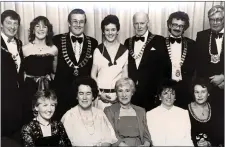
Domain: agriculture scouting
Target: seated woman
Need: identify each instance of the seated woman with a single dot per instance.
(110, 61)
(169, 125)
(203, 119)
(41, 131)
(85, 124)
(40, 61)
(129, 121)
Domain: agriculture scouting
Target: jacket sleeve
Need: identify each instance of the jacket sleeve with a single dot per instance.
(26, 135)
(111, 118)
(147, 136)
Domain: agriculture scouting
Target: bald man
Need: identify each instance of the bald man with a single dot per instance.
(145, 62)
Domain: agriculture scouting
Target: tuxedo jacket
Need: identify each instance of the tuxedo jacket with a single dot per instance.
(11, 91)
(64, 74)
(204, 67)
(151, 70)
(188, 67)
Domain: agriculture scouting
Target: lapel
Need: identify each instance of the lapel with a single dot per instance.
(70, 49)
(3, 43)
(104, 52)
(84, 49)
(133, 63)
(214, 46)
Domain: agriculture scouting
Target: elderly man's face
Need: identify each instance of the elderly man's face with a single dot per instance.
(216, 22)
(167, 97)
(124, 94)
(140, 23)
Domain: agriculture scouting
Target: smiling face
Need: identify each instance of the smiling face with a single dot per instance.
(140, 22)
(10, 27)
(77, 23)
(216, 21)
(167, 97)
(177, 27)
(124, 94)
(84, 96)
(201, 94)
(45, 108)
(110, 32)
(40, 30)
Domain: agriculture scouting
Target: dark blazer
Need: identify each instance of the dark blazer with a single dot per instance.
(64, 74)
(204, 67)
(11, 91)
(150, 71)
(112, 112)
(183, 95)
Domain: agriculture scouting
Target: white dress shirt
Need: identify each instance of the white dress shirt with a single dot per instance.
(219, 42)
(169, 127)
(77, 47)
(176, 52)
(12, 48)
(137, 48)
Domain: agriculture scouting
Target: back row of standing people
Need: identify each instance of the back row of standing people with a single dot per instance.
(146, 58)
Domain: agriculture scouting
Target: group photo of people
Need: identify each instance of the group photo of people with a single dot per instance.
(112, 74)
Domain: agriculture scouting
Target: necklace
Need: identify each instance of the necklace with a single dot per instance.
(184, 53)
(42, 123)
(196, 117)
(142, 49)
(67, 58)
(215, 58)
(88, 124)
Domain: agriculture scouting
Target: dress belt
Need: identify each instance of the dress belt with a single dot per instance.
(107, 90)
(43, 81)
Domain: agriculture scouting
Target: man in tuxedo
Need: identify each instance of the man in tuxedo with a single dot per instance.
(180, 57)
(145, 61)
(74, 59)
(11, 77)
(210, 52)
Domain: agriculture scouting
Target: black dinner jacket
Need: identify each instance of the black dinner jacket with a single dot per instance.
(152, 65)
(11, 90)
(204, 67)
(188, 67)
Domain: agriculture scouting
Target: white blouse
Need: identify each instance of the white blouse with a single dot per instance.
(78, 133)
(169, 127)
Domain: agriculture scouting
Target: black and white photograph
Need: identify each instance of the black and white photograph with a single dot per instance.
(95, 73)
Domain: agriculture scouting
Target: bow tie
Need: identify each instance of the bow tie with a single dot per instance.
(172, 40)
(11, 40)
(139, 38)
(218, 35)
(79, 39)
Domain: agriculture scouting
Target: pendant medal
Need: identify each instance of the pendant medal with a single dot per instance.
(177, 73)
(215, 58)
(75, 73)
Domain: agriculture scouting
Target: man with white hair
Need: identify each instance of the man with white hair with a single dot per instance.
(210, 52)
(145, 61)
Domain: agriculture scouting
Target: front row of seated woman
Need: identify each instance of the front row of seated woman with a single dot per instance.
(122, 124)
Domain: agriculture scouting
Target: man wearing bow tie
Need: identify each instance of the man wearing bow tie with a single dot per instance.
(210, 52)
(74, 59)
(145, 61)
(180, 57)
(11, 76)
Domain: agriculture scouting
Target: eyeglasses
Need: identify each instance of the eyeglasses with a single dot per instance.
(174, 25)
(217, 20)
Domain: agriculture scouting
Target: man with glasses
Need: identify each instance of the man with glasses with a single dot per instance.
(146, 61)
(74, 59)
(210, 52)
(180, 57)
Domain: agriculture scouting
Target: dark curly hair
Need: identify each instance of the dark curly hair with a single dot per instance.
(46, 22)
(12, 14)
(179, 15)
(113, 19)
(76, 11)
(42, 94)
(85, 81)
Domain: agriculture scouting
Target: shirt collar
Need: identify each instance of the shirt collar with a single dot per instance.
(5, 38)
(164, 109)
(71, 34)
(222, 31)
(145, 35)
(174, 36)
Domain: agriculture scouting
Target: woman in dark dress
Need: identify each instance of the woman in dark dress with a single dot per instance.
(41, 131)
(203, 117)
(40, 60)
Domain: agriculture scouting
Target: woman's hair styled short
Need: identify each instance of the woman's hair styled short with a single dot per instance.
(166, 84)
(125, 81)
(113, 19)
(85, 81)
(205, 83)
(46, 22)
(45, 95)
